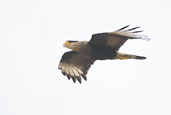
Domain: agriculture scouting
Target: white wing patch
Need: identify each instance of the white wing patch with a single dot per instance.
(71, 71)
(75, 72)
(131, 35)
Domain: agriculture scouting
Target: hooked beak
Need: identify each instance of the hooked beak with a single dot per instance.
(64, 45)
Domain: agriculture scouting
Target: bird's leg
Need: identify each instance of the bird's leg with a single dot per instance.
(128, 56)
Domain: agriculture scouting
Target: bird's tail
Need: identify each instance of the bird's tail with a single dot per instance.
(128, 56)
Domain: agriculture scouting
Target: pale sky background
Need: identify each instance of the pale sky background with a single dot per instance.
(32, 33)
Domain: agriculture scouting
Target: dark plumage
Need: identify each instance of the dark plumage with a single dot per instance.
(76, 63)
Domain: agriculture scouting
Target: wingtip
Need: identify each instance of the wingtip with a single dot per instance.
(137, 31)
(68, 77)
(123, 28)
(143, 37)
(84, 77)
(79, 79)
(74, 79)
(133, 28)
(141, 57)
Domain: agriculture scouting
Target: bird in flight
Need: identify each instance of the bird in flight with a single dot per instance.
(76, 63)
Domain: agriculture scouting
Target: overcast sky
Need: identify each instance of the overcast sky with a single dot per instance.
(32, 34)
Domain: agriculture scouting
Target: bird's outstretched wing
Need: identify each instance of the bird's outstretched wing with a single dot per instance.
(75, 65)
(115, 39)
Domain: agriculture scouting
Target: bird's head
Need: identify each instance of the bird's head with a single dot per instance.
(69, 43)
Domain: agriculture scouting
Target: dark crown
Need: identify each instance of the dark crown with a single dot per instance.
(71, 41)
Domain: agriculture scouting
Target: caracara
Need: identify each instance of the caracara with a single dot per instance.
(76, 63)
